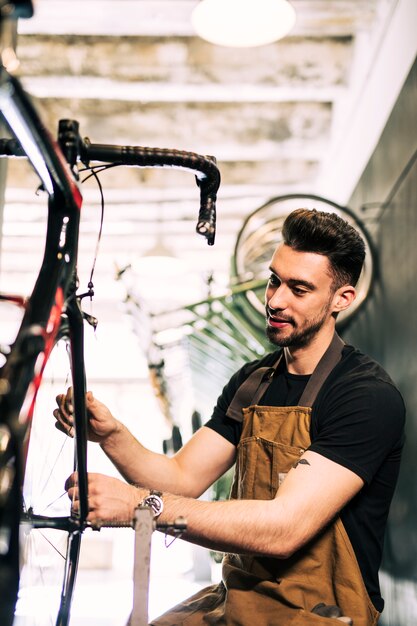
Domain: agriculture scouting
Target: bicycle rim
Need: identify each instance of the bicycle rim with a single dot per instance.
(50, 538)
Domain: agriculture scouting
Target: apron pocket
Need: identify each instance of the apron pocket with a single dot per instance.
(271, 460)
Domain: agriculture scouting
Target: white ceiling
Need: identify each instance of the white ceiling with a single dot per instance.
(299, 116)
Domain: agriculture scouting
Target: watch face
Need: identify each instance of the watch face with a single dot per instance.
(155, 502)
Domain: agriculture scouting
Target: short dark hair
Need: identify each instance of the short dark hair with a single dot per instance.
(309, 230)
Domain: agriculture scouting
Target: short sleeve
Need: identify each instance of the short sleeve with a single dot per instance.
(359, 423)
(229, 428)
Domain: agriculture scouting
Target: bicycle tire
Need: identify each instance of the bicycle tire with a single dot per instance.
(52, 525)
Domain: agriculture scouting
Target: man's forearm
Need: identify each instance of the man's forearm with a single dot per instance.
(311, 496)
(141, 466)
(255, 527)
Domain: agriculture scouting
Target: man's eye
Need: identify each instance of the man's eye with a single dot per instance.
(299, 291)
(274, 280)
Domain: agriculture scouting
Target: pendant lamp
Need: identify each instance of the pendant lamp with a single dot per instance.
(243, 23)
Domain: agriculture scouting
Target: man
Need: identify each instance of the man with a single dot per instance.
(316, 431)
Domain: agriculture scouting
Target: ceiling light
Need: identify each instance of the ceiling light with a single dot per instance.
(243, 23)
(158, 263)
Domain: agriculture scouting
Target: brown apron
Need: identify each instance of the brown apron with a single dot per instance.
(266, 591)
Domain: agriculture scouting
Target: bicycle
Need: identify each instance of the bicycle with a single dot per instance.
(53, 313)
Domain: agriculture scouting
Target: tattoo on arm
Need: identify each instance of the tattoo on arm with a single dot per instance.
(302, 461)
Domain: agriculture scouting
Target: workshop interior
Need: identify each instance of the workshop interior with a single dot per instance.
(319, 114)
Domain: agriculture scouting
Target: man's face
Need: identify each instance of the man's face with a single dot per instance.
(299, 297)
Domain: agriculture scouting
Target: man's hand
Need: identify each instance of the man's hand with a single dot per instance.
(101, 422)
(110, 500)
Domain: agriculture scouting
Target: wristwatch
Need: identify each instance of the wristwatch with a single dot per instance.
(154, 501)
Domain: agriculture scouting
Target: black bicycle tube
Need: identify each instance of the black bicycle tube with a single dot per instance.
(204, 168)
(76, 331)
(70, 576)
(45, 156)
(56, 271)
(60, 248)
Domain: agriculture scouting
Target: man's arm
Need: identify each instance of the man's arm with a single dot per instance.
(196, 466)
(189, 472)
(310, 497)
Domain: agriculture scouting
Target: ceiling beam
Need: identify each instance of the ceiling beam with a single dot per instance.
(189, 64)
(88, 87)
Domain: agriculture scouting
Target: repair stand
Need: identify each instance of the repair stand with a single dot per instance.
(144, 525)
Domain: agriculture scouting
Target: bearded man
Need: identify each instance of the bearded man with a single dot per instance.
(315, 430)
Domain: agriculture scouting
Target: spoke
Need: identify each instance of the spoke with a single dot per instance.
(42, 577)
(52, 545)
(56, 500)
(53, 466)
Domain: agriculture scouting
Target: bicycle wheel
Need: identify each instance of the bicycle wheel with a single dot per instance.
(50, 535)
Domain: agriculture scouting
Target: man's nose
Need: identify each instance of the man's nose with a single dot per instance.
(277, 298)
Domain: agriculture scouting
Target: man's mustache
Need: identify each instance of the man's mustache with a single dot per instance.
(278, 317)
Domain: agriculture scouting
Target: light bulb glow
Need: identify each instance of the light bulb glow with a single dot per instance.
(243, 23)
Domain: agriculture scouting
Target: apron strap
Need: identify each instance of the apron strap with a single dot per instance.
(328, 361)
(253, 388)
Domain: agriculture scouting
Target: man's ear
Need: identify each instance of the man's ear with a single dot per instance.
(343, 298)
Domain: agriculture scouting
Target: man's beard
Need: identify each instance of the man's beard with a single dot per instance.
(298, 338)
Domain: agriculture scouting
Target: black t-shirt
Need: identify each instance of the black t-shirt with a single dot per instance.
(357, 421)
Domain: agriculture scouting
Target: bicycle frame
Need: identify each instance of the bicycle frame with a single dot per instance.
(53, 296)
(21, 375)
